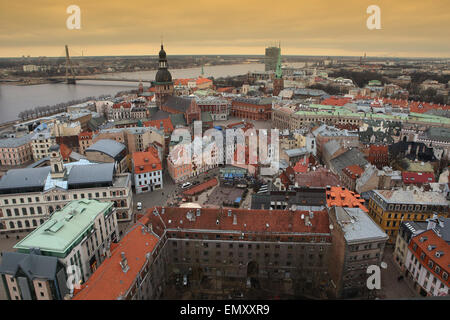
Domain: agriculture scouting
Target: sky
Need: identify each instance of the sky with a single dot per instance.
(409, 28)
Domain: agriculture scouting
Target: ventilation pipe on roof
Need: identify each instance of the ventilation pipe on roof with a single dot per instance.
(108, 250)
(124, 263)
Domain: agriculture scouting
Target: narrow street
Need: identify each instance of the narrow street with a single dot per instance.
(391, 287)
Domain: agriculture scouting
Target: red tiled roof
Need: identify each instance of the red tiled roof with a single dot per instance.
(122, 104)
(342, 197)
(181, 82)
(289, 171)
(301, 166)
(146, 161)
(201, 187)
(203, 80)
(167, 124)
(285, 179)
(227, 89)
(417, 177)
(336, 101)
(319, 178)
(85, 135)
(109, 282)
(440, 245)
(353, 171)
(65, 151)
(414, 106)
(378, 149)
(280, 221)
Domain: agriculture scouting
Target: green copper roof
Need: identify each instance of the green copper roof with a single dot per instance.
(324, 110)
(65, 228)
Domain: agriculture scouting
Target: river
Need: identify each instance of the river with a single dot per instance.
(14, 99)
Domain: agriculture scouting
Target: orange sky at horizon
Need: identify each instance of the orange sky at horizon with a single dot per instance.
(328, 28)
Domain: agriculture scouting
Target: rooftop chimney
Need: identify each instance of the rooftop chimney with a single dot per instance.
(124, 263)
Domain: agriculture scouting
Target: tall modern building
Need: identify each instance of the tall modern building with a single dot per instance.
(271, 58)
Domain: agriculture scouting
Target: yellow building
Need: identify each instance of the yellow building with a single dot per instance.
(389, 208)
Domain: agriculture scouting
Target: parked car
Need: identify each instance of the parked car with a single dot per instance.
(139, 206)
(186, 185)
(185, 280)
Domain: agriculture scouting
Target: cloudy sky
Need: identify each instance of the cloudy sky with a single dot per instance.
(409, 28)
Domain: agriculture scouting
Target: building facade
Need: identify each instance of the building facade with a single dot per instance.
(28, 197)
(78, 235)
(147, 171)
(16, 151)
(389, 207)
(427, 264)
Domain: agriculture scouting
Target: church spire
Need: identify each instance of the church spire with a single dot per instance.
(278, 72)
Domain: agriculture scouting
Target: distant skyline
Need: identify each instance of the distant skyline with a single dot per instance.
(409, 28)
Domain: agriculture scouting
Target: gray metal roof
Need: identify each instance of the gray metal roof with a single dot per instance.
(39, 162)
(296, 152)
(107, 146)
(15, 142)
(24, 178)
(33, 265)
(92, 173)
(178, 103)
(358, 226)
(160, 114)
(80, 173)
(351, 157)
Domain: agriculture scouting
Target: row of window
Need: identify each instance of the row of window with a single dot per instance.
(27, 224)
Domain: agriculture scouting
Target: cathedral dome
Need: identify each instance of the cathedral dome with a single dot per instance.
(163, 75)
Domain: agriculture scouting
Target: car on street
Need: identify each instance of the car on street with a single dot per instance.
(186, 185)
(139, 206)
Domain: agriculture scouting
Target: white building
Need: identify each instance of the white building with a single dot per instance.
(78, 235)
(147, 171)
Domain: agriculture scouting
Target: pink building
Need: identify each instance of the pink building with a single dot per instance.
(16, 151)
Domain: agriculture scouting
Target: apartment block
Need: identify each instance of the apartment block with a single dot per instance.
(78, 235)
